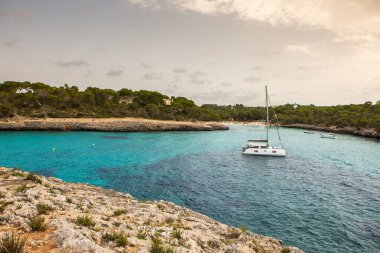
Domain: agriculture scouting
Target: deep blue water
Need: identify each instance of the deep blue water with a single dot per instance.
(323, 197)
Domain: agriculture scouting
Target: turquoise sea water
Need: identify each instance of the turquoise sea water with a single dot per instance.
(323, 197)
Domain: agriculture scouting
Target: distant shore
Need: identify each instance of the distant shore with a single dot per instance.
(358, 131)
(55, 216)
(106, 125)
(245, 123)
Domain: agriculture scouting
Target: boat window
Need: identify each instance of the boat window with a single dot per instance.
(256, 151)
(274, 151)
(263, 146)
(255, 146)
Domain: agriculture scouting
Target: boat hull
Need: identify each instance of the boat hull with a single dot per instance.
(264, 151)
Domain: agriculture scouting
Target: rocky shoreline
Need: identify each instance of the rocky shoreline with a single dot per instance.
(55, 216)
(106, 125)
(364, 132)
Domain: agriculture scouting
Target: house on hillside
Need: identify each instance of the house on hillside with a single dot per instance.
(24, 90)
(167, 101)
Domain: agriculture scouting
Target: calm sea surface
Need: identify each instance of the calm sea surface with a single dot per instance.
(323, 197)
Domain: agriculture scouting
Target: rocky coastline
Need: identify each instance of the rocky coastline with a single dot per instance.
(106, 125)
(358, 131)
(50, 215)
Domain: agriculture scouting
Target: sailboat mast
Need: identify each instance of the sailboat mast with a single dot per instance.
(267, 122)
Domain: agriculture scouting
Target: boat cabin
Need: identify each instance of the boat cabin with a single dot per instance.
(257, 144)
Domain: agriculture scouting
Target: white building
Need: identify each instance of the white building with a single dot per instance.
(24, 90)
(167, 101)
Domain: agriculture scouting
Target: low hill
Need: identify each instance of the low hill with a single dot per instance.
(41, 100)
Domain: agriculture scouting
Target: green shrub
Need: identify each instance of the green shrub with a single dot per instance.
(11, 243)
(33, 177)
(158, 247)
(214, 244)
(37, 223)
(44, 208)
(243, 229)
(3, 205)
(69, 200)
(285, 250)
(142, 234)
(21, 188)
(85, 221)
(120, 239)
(119, 212)
(177, 233)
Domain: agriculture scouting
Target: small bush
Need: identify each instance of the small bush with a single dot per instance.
(120, 239)
(142, 234)
(37, 223)
(158, 247)
(17, 173)
(11, 243)
(243, 229)
(69, 200)
(285, 250)
(21, 188)
(85, 221)
(117, 223)
(119, 212)
(33, 177)
(214, 244)
(43, 208)
(177, 233)
(3, 205)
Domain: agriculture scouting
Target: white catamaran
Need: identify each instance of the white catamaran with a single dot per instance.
(261, 147)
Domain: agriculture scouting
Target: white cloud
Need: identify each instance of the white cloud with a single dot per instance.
(336, 15)
(299, 49)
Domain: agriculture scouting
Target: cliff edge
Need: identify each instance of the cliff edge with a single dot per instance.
(55, 216)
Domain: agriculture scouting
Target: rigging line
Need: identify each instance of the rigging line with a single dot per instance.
(278, 123)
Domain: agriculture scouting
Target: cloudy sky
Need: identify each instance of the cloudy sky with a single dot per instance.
(321, 52)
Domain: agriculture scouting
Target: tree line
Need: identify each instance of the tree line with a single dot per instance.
(41, 100)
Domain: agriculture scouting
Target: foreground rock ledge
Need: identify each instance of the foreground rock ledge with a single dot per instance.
(107, 125)
(142, 222)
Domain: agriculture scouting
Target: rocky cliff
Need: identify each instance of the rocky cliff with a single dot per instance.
(54, 216)
(107, 125)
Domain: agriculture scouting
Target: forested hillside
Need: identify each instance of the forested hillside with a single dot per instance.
(41, 100)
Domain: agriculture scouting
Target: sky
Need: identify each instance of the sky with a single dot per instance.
(322, 52)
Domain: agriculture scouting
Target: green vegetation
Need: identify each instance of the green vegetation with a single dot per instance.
(158, 247)
(119, 212)
(4, 204)
(21, 188)
(243, 229)
(11, 243)
(177, 233)
(68, 101)
(142, 234)
(85, 221)
(37, 223)
(120, 239)
(285, 250)
(33, 177)
(44, 208)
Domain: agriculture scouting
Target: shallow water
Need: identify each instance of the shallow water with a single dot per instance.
(323, 197)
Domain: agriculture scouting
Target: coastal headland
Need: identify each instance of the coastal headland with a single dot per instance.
(106, 125)
(56, 216)
(358, 131)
